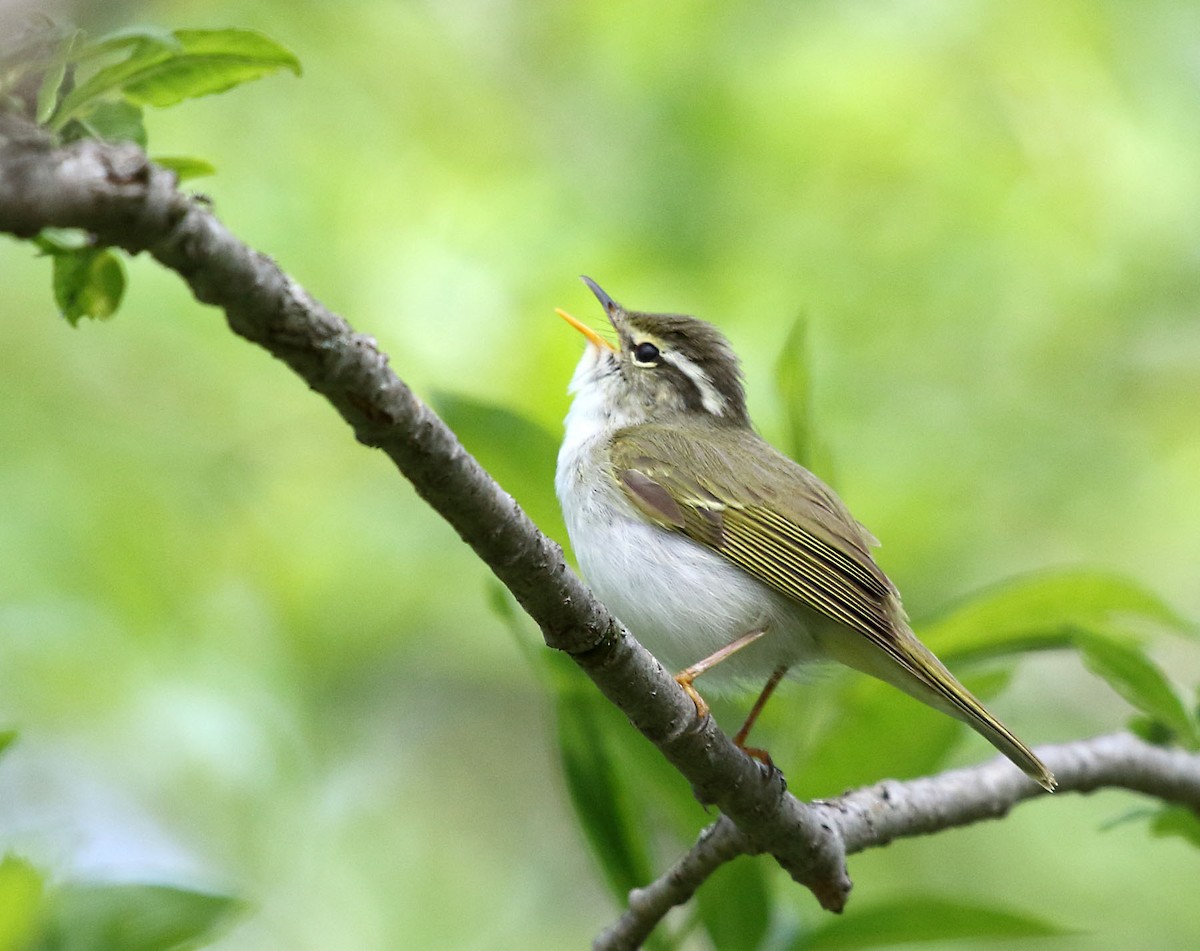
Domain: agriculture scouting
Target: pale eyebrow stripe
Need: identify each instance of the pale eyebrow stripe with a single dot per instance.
(710, 396)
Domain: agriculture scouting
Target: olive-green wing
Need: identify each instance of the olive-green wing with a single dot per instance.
(773, 519)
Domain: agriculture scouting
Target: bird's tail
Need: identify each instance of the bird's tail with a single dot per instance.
(908, 664)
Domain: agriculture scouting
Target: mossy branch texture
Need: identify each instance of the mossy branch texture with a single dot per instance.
(121, 198)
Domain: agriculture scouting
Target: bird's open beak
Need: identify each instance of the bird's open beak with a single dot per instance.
(593, 338)
(611, 307)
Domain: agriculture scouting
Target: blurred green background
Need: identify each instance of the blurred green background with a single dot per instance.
(241, 654)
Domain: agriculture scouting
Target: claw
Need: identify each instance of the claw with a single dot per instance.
(759, 754)
(685, 681)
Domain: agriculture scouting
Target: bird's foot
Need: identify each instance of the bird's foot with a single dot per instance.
(685, 681)
(759, 754)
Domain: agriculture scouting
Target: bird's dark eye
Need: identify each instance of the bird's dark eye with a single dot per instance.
(645, 353)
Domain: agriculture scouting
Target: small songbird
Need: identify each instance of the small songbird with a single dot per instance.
(712, 547)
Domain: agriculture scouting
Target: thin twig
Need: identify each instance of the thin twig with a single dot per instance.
(718, 843)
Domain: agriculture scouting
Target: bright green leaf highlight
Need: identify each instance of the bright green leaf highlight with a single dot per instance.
(20, 904)
(922, 918)
(211, 61)
(110, 80)
(185, 167)
(88, 283)
(202, 63)
(133, 918)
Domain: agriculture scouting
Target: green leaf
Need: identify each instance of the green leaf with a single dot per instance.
(204, 62)
(794, 387)
(1043, 610)
(518, 453)
(143, 56)
(133, 918)
(7, 739)
(211, 61)
(1132, 674)
(56, 72)
(922, 919)
(793, 382)
(20, 903)
(1153, 731)
(88, 283)
(601, 802)
(735, 905)
(505, 608)
(185, 167)
(115, 121)
(1100, 615)
(1177, 821)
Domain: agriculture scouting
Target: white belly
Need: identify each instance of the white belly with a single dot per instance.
(678, 598)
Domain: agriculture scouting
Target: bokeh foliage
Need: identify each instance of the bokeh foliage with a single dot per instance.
(244, 660)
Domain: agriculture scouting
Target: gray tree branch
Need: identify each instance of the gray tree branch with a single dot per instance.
(114, 192)
(876, 815)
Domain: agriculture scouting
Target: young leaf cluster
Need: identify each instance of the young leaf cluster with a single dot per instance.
(77, 87)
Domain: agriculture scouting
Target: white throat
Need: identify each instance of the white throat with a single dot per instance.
(594, 412)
